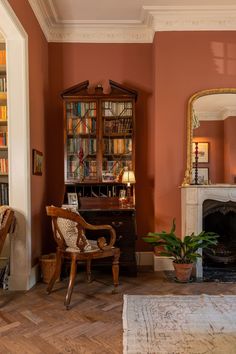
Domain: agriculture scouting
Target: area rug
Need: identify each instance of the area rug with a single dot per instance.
(198, 324)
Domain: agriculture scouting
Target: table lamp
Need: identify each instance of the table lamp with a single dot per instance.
(128, 178)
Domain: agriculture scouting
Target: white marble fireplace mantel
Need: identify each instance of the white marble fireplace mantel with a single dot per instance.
(192, 198)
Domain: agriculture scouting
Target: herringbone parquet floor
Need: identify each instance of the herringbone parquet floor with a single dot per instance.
(36, 323)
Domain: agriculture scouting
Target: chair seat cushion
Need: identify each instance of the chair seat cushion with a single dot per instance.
(71, 233)
(93, 247)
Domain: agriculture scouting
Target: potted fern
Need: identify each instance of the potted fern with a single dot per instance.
(183, 252)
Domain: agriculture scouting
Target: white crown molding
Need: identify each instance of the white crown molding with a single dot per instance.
(152, 19)
(227, 112)
(192, 18)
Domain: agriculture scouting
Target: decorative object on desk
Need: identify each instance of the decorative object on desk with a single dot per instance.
(37, 163)
(183, 252)
(185, 324)
(72, 198)
(128, 178)
(203, 152)
(122, 198)
(202, 175)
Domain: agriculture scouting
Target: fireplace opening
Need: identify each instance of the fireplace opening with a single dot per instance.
(219, 262)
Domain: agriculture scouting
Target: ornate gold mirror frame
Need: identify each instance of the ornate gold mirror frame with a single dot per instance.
(194, 97)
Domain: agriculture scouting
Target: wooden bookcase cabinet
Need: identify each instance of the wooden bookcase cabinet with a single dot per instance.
(99, 133)
(99, 141)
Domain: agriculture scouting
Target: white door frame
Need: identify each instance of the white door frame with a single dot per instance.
(21, 276)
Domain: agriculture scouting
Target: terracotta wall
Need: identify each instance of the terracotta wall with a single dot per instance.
(38, 93)
(230, 149)
(165, 73)
(128, 64)
(185, 62)
(213, 133)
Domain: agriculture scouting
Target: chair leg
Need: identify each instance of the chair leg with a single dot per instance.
(57, 272)
(71, 281)
(88, 270)
(115, 270)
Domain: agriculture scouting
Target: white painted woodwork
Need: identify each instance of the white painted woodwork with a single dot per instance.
(192, 198)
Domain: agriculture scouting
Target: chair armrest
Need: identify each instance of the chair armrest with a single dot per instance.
(101, 242)
(56, 212)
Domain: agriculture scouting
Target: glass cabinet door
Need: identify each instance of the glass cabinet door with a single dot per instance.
(117, 123)
(81, 140)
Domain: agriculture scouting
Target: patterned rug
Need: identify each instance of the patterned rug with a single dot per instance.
(198, 324)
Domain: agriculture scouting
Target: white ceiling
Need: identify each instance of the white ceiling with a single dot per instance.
(215, 106)
(125, 21)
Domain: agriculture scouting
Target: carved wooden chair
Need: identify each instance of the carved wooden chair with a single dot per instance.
(6, 221)
(69, 233)
(7, 225)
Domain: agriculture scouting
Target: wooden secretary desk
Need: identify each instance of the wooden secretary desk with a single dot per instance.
(99, 141)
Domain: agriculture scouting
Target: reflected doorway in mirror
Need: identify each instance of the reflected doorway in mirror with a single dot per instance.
(202, 175)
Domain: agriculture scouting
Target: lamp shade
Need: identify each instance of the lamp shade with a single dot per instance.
(128, 177)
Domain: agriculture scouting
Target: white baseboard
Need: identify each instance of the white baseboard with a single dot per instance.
(24, 282)
(158, 263)
(34, 275)
(162, 263)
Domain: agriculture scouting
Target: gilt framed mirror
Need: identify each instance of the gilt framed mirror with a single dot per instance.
(211, 119)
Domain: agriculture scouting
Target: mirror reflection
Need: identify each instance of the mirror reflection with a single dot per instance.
(212, 137)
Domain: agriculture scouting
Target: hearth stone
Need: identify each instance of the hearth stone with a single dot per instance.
(221, 275)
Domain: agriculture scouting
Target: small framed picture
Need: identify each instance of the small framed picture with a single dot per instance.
(37, 163)
(202, 152)
(203, 175)
(72, 198)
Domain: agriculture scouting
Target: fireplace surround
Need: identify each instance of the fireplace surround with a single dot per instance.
(192, 199)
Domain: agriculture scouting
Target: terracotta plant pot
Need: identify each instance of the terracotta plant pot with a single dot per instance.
(183, 271)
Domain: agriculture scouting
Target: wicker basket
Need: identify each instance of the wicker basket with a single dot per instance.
(48, 265)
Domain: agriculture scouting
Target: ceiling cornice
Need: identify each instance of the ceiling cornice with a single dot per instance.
(152, 19)
(228, 111)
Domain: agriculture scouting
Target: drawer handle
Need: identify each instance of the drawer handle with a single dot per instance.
(117, 223)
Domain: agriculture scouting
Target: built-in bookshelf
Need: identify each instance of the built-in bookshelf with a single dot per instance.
(99, 136)
(3, 127)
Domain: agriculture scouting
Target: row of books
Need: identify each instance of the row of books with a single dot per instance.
(3, 139)
(3, 84)
(4, 199)
(85, 125)
(117, 146)
(2, 57)
(3, 166)
(3, 112)
(112, 109)
(81, 109)
(83, 147)
(116, 166)
(118, 126)
(76, 170)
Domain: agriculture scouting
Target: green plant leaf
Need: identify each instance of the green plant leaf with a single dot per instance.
(182, 251)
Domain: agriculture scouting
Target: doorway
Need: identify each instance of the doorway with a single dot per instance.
(21, 276)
